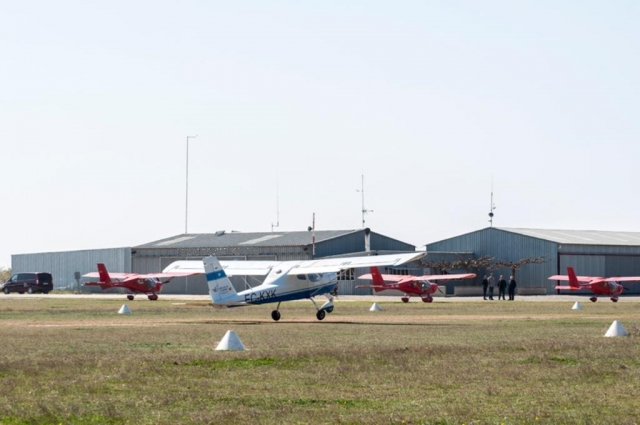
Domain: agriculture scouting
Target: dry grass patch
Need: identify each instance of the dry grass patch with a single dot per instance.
(440, 363)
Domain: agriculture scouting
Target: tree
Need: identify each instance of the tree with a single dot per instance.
(467, 263)
(5, 274)
(515, 265)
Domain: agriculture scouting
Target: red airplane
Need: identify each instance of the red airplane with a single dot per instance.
(411, 285)
(597, 285)
(149, 284)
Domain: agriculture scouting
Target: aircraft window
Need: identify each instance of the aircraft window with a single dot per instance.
(302, 277)
(314, 277)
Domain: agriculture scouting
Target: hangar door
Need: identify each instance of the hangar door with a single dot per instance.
(584, 265)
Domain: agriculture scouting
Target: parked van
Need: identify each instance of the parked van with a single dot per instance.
(29, 282)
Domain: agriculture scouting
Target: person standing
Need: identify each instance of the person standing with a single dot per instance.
(512, 288)
(492, 284)
(485, 284)
(502, 288)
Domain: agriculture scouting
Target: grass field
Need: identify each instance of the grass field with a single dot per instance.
(77, 361)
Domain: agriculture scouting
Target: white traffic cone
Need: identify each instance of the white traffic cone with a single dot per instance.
(375, 307)
(124, 309)
(616, 329)
(230, 341)
(577, 306)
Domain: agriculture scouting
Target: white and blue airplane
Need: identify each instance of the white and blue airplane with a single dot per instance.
(285, 280)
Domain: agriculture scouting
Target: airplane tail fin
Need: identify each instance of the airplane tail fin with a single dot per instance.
(378, 281)
(573, 280)
(220, 287)
(103, 273)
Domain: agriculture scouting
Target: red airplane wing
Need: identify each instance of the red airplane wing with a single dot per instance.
(112, 275)
(573, 288)
(161, 275)
(622, 279)
(580, 278)
(371, 286)
(445, 276)
(389, 277)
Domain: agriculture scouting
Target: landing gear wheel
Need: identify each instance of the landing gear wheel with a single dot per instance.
(130, 297)
(405, 299)
(153, 297)
(6, 291)
(320, 314)
(593, 299)
(30, 290)
(275, 315)
(329, 310)
(427, 300)
(614, 299)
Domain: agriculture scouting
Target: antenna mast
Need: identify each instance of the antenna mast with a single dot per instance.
(492, 206)
(364, 210)
(277, 206)
(313, 237)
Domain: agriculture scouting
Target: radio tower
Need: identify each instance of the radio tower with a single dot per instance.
(364, 210)
(492, 206)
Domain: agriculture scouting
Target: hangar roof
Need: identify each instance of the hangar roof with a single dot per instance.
(233, 238)
(580, 237)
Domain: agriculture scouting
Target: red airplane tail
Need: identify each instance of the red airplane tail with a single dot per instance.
(573, 280)
(103, 273)
(378, 281)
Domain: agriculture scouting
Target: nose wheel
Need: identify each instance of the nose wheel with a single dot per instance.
(130, 297)
(614, 299)
(593, 299)
(320, 314)
(405, 299)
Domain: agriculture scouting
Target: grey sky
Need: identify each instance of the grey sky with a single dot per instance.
(427, 99)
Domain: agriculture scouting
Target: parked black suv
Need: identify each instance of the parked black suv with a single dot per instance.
(29, 282)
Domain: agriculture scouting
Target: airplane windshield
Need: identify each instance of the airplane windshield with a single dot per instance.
(150, 283)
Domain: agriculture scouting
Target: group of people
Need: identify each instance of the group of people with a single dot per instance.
(489, 282)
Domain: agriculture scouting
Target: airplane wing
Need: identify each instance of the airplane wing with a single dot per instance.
(231, 268)
(572, 288)
(389, 277)
(262, 268)
(335, 265)
(446, 276)
(112, 275)
(398, 277)
(622, 279)
(123, 276)
(580, 278)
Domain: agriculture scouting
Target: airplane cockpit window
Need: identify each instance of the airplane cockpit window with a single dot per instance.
(302, 276)
(150, 283)
(315, 277)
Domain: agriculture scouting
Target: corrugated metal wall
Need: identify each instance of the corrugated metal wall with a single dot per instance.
(63, 265)
(508, 246)
(352, 242)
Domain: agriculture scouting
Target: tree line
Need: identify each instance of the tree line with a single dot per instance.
(475, 265)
